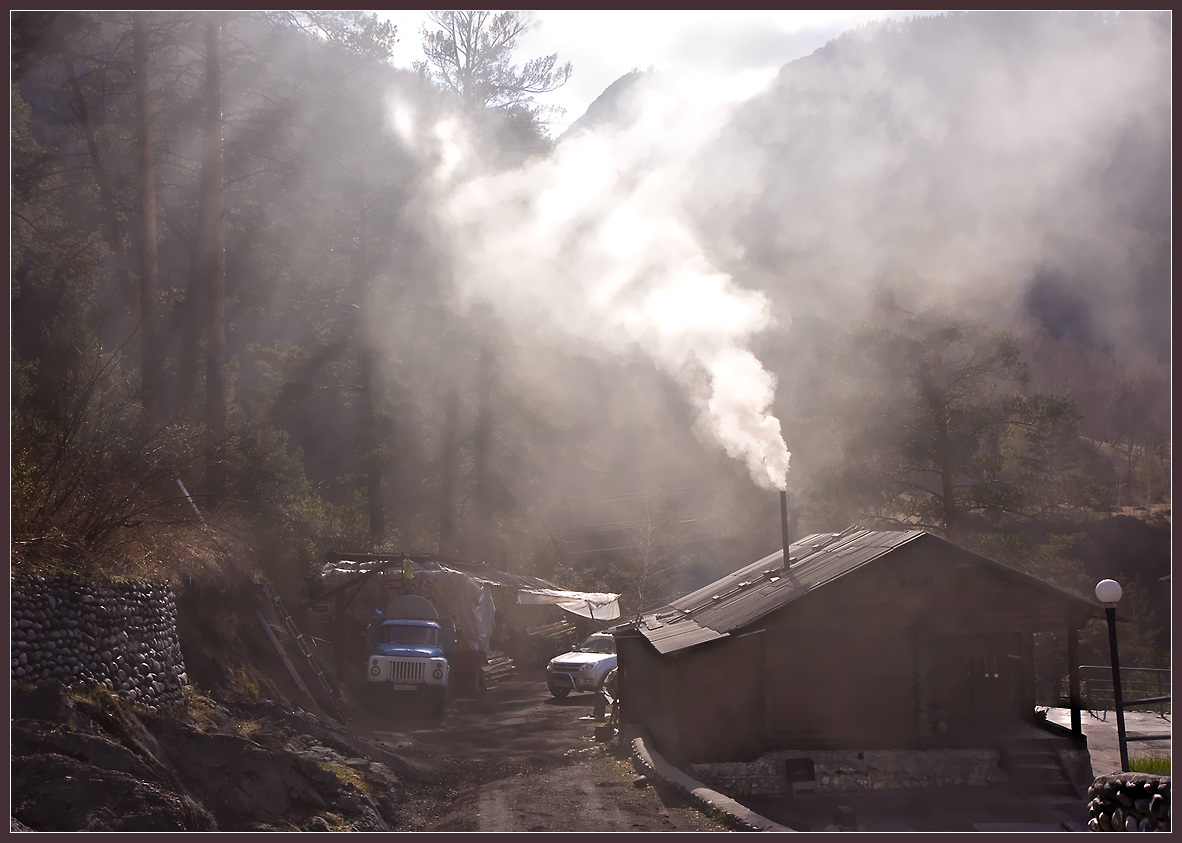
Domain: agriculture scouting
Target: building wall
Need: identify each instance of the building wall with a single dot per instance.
(858, 665)
(833, 688)
(718, 692)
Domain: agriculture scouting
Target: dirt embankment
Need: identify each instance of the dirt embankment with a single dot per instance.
(511, 760)
(254, 759)
(89, 762)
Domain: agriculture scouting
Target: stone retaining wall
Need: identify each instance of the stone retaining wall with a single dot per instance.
(1130, 802)
(843, 771)
(119, 635)
(648, 762)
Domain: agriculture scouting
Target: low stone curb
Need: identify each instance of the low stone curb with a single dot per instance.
(647, 761)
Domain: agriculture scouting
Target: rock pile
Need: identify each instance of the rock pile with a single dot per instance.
(1130, 802)
(119, 635)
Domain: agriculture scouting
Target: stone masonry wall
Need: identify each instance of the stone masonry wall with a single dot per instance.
(120, 635)
(1130, 802)
(843, 771)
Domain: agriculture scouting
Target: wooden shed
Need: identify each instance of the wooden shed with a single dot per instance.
(866, 640)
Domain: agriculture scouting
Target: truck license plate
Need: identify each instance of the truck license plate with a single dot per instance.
(403, 687)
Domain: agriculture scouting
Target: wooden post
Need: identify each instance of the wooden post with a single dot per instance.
(1073, 679)
(1029, 685)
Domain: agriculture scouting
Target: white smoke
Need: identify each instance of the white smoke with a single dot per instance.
(592, 244)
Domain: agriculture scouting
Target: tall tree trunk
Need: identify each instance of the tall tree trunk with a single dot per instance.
(114, 230)
(449, 468)
(1130, 464)
(1145, 458)
(948, 491)
(213, 264)
(151, 363)
(944, 453)
(481, 439)
(373, 460)
(191, 318)
(367, 363)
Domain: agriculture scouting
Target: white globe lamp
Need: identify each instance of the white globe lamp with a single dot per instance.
(1108, 592)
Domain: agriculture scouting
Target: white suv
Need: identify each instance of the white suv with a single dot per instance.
(584, 668)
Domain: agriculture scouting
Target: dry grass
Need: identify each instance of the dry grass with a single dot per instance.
(158, 548)
(347, 775)
(248, 729)
(244, 684)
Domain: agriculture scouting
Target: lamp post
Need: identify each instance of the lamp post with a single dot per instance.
(1108, 592)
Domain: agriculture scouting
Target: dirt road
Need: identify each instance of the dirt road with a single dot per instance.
(518, 760)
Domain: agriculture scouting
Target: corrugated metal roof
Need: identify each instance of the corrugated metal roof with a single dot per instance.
(753, 591)
(685, 632)
(743, 597)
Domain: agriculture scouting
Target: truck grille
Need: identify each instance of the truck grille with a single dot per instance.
(407, 670)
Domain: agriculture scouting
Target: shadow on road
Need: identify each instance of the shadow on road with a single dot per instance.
(580, 701)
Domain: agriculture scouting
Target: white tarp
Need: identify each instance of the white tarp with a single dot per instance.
(599, 606)
(466, 598)
(467, 602)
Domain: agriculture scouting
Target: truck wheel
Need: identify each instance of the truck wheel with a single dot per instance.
(438, 702)
(559, 693)
(373, 700)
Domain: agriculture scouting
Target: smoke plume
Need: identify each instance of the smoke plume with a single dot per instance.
(592, 244)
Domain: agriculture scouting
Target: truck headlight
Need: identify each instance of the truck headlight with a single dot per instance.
(375, 671)
(438, 674)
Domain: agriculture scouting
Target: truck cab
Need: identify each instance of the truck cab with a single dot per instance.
(410, 656)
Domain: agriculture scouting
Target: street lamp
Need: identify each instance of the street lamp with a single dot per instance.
(1108, 592)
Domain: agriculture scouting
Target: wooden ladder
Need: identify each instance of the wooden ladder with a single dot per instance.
(333, 692)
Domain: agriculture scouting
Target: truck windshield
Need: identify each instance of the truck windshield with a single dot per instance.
(598, 645)
(396, 634)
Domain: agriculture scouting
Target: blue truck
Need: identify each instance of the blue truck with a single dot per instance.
(409, 647)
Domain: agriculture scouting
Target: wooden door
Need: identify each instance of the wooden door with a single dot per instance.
(976, 687)
(997, 679)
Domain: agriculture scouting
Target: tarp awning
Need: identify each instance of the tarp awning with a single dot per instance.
(600, 606)
(530, 590)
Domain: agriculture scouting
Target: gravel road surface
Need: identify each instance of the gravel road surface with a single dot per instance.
(516, 759)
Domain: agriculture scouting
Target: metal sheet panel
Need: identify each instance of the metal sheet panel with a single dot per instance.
(748, 594)
(670, 637)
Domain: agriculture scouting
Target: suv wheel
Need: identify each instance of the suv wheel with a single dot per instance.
(559, 693)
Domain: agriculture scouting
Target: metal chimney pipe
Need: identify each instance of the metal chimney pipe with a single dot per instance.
(784, 526)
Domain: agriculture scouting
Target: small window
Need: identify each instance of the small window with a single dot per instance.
(398, 634)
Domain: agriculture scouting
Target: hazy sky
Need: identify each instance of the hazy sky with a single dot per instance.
(739, 48)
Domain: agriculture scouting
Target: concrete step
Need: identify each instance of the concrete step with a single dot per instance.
(1049, 788)
(1036, 773)
(1028, 745)
(1019, 758)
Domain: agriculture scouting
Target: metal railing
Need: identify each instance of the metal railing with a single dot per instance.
(1143, 689)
